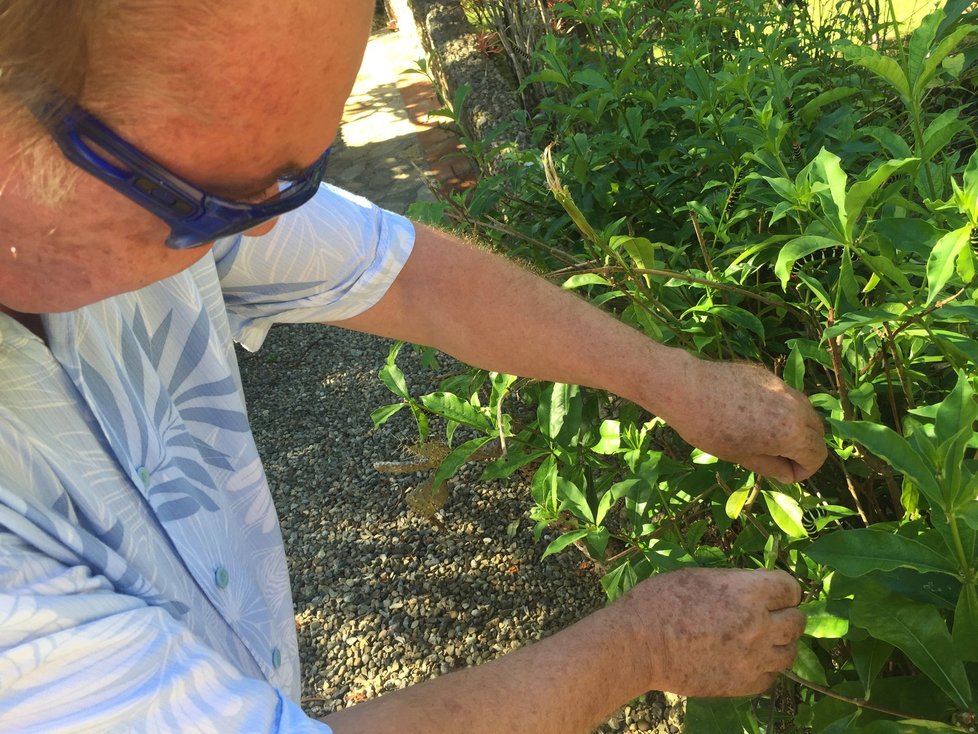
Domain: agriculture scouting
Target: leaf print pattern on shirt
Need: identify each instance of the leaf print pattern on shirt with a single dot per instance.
(183, 414)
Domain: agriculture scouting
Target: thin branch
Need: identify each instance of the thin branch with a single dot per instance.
(699, 238)
(857, 702)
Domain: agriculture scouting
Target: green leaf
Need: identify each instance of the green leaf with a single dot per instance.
(969, 513)
(641, 250)
(735, 503)
(941, 131)
(739, 317)
(543, 486)
(885, 68)
(794, 369)
(574, 499)
(579, 281)
(454, 408)
(894, 450)
(611, 496)
(807, 665)
(810, 110)
(861, 191)
(563, 541)
(940, 52)
(391, 375)
(712, 716)
(786, 513)
(965, 630)
(559, 411)
(920, 42)
(869, 656)
(797, 248)
(454, 460)
(504, 466)
(920, 632)
(383, 414)
(828, 166)
(547, 76)
(592, 79)
(885, 268)
(610, 441)
(863, 550)
(940, 264)
(821, 623)
(956, 411)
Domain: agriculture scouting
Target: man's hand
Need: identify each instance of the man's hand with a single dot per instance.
(717, 632)
(744, 414)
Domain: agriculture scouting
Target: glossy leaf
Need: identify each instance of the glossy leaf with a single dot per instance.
(938, 54)
(454, 408)
(786, 513)
(610, 441)
(868, 657)
(919, 631)
(884, 67)
(821, 623)
(797, 248)
(807, 665)
(563, 541)
(861, 191)
(940, 264)
(863, 550)
(391, 375)
(384, 413)
(885, 443)
(712, 716)
(964, 632)
(735, 503)
(456, 459)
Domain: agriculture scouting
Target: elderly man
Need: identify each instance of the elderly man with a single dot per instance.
(143, 583)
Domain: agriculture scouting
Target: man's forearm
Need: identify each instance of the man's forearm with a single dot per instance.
(488, 312)
(564, 684)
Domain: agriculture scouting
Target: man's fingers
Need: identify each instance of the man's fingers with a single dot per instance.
(781, 657)
(787, 625)
(783, 592)
(777, 467)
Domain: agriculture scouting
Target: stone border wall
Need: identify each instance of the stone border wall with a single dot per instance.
(441, 32)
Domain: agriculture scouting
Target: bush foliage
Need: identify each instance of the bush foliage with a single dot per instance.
(738, 180)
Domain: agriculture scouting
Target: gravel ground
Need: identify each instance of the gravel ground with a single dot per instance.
(383, 597)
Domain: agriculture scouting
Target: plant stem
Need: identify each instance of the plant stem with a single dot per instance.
(857, 702)
(966, 569)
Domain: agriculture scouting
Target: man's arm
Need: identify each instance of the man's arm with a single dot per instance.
(487, 312)
(698, 632)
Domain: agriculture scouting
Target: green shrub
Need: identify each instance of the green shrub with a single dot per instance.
(740, 181)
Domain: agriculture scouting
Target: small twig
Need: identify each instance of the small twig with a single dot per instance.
(853, 492)
(858, 702)
(699, 238)
(898, 365)
(916, 318)
(840, 380)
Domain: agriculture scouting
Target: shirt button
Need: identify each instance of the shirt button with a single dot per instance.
(276, 657)
(144, 476)
(221, 577)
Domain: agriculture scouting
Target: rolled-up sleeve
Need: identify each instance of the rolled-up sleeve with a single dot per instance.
(330, 260)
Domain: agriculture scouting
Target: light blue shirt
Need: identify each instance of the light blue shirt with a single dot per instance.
(143, 581)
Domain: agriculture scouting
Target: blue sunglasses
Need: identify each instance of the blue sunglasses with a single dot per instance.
(194, 216)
